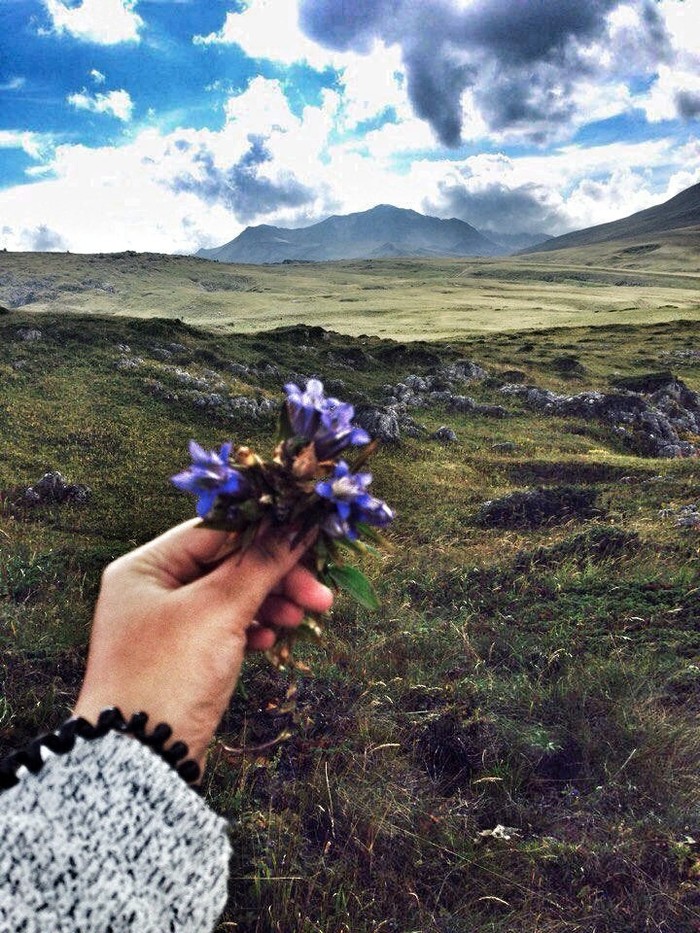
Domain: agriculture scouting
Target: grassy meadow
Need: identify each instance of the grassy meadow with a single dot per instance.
(511, 743)
(402, 299)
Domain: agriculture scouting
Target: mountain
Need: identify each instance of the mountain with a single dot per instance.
(679, 212)
(383, 231)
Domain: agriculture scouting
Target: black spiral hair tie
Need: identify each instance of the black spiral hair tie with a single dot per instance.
(63, 740)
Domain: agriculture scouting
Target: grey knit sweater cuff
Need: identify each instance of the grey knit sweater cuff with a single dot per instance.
(108, 838)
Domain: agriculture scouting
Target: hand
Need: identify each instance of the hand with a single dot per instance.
(173, 621)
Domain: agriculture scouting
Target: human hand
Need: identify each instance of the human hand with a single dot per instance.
(173, 621)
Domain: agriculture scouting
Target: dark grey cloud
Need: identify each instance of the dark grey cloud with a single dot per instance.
(687, 104)
(240, 188)
(522, 58)
(525, 209)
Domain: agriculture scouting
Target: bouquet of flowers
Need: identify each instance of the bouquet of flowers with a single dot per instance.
(307, 484)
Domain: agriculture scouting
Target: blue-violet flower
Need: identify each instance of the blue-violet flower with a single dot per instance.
(353, 504)
(325, 421)
(210, 476)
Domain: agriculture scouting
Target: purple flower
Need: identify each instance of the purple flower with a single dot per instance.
(325, 421)
(304, 407)
(337, 431)
(353, 504)
(210, 476)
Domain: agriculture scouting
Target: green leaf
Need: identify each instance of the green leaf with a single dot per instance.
(355, 583)
(284, 425)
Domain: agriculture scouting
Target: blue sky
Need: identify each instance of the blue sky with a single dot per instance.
(168, 125)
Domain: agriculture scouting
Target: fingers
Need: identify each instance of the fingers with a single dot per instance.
(182, 554)
(247, 579)
(260, 638)
(301, 587)
(276, 610)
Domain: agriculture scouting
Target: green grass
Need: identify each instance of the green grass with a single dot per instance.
(405, 299)
(545, 678)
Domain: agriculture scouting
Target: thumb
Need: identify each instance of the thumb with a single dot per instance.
(246, 579)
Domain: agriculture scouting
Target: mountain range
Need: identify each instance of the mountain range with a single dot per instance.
(385, 231)
(381, 232)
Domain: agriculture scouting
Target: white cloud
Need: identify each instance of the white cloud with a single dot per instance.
(105, 22)
(97, 76)
(115, 103)
(13, 84)
(665, 98)
(269, 29)
(682, 18)
(35, 145)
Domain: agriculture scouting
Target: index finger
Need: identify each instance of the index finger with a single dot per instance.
(183, 553)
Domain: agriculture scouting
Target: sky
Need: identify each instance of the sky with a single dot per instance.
(170, 125)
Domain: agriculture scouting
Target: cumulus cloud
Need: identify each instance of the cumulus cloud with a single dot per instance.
(521, 61)
(115, 103)
(97, 76)
(104, 22)
(242, 188)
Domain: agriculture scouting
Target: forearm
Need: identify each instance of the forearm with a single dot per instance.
(107, 836)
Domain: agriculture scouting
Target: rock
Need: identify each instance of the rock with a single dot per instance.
(29, 334)
(444, 434)
(649, 424)
(504, 447)
(380, 423)
(52, 489)
(129, 362)
(464, 371)
(239, 370)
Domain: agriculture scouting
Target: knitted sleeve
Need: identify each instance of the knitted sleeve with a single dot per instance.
(108, 838)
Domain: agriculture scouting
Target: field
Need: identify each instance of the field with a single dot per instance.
(511, 744)
(402, 299)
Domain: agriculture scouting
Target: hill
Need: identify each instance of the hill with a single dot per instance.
(678, 213)
(406, 299)
(383, 231)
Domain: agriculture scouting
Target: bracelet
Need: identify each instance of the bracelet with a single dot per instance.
(63, 740)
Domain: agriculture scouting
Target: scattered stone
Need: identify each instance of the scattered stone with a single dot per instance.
(504, 447)
(161, 353)
(538, 507)
(239, 370)
(648, 423)
(464, 403)
(380, 423)
(686, 516)
(444, 434)
(19, 364)
(123, 348)
(52, 489)
(129, 362)
(220, 403)
(29, 334)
